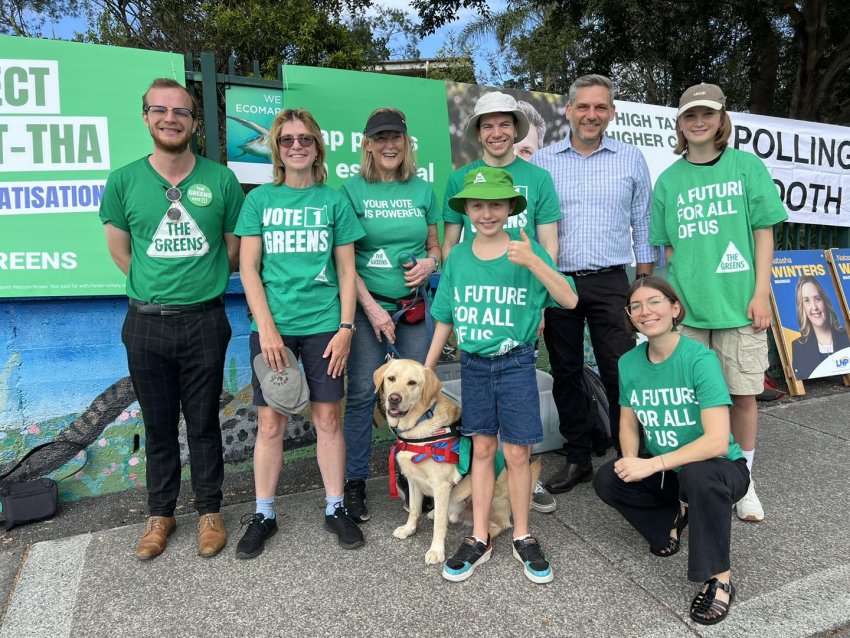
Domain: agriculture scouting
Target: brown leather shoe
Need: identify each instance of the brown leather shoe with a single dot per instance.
(212, 536)
(153, 541)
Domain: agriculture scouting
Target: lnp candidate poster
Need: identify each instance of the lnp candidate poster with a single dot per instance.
(840, 258)
(69, 114)
(812, 325)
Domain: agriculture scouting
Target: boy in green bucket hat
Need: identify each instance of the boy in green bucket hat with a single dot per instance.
(491, 293)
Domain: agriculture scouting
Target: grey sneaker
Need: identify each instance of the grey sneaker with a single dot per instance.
(542, 500)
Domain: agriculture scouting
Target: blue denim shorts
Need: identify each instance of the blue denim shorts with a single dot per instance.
(499, 396)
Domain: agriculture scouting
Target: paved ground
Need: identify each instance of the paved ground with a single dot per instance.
(792, 571)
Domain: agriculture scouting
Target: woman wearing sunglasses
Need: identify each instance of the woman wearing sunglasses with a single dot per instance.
(297, 267)
(672, 391)
(399, 213)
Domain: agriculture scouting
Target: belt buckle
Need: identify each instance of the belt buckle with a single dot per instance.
(165, 311)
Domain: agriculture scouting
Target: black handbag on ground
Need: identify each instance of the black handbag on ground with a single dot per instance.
(30, 501)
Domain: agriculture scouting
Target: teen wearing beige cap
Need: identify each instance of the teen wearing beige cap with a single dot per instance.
(714, 212)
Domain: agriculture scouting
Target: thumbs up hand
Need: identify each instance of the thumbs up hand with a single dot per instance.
(520, 252)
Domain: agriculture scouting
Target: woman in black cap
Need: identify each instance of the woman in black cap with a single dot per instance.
(399, 212)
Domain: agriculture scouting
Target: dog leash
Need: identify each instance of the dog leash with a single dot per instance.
(403, 258)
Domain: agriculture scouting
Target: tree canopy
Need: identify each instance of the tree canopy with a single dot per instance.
(774, 57)
(789, 58)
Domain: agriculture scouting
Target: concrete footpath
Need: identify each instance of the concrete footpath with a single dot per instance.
(792, 571)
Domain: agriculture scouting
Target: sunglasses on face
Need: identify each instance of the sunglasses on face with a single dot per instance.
(305, 141)
(160, 111)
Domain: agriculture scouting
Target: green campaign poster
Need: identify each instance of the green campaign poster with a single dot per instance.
(341, 102)
(69, 114)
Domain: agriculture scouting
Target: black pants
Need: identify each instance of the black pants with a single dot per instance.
(178, 362)
(710, 488)
(601, 299)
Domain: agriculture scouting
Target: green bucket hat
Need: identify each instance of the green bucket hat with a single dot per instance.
(487, 182)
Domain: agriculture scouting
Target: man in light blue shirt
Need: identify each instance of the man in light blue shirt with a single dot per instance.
(605, 192)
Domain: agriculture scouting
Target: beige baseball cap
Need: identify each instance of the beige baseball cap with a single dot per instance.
(709, 95)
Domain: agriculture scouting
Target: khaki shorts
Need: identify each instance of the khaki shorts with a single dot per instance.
(742, 353)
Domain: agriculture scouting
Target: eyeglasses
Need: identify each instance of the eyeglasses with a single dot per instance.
(173, 195)
(162, 110)
(636, 307)
(305, 141)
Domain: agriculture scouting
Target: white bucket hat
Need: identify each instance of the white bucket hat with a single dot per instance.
(496, 102)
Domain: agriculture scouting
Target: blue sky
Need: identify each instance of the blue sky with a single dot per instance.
(428, 47)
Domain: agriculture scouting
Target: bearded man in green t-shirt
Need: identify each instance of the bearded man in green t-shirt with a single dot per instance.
(169, 220)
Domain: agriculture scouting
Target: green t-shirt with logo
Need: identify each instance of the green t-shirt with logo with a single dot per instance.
(299, 228)
(494, 304)
(668, 397)
(530, 181)
(708, 215)
(395, 217)
(180, 261)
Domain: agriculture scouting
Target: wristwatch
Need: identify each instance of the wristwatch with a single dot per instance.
(348, 326)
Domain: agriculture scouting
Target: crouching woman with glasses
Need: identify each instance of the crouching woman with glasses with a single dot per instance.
(673, 390)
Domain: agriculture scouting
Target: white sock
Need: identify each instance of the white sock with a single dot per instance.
(749, 456)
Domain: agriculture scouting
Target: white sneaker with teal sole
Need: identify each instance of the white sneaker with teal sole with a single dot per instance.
(528, 551)
(470, 555)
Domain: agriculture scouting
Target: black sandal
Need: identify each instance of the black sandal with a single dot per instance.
(673, 544)
(706, 609)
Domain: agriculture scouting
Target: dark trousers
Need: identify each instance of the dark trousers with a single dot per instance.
(178, 362)
(710, 489)
(601, 299)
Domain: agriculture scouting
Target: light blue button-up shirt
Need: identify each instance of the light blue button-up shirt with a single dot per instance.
(605, 204)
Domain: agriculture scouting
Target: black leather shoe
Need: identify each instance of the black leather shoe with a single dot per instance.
(571, 475)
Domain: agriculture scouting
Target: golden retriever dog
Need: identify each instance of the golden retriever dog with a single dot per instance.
(408, 390)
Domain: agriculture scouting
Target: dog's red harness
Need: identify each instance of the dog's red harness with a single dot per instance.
(443, 446)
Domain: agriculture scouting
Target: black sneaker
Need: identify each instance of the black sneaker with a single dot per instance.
(403, 488)
(260, 529)
(534, 563)
(470, 555)
(343, 525)
(354, 499)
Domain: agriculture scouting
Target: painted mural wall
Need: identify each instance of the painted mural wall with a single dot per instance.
(63, 376)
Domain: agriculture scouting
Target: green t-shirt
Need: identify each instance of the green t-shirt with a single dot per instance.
(180, 262)
(668, 397)
(530, 181)
(299, 228)
(395, 217)
(708, 215)
(494, 304)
